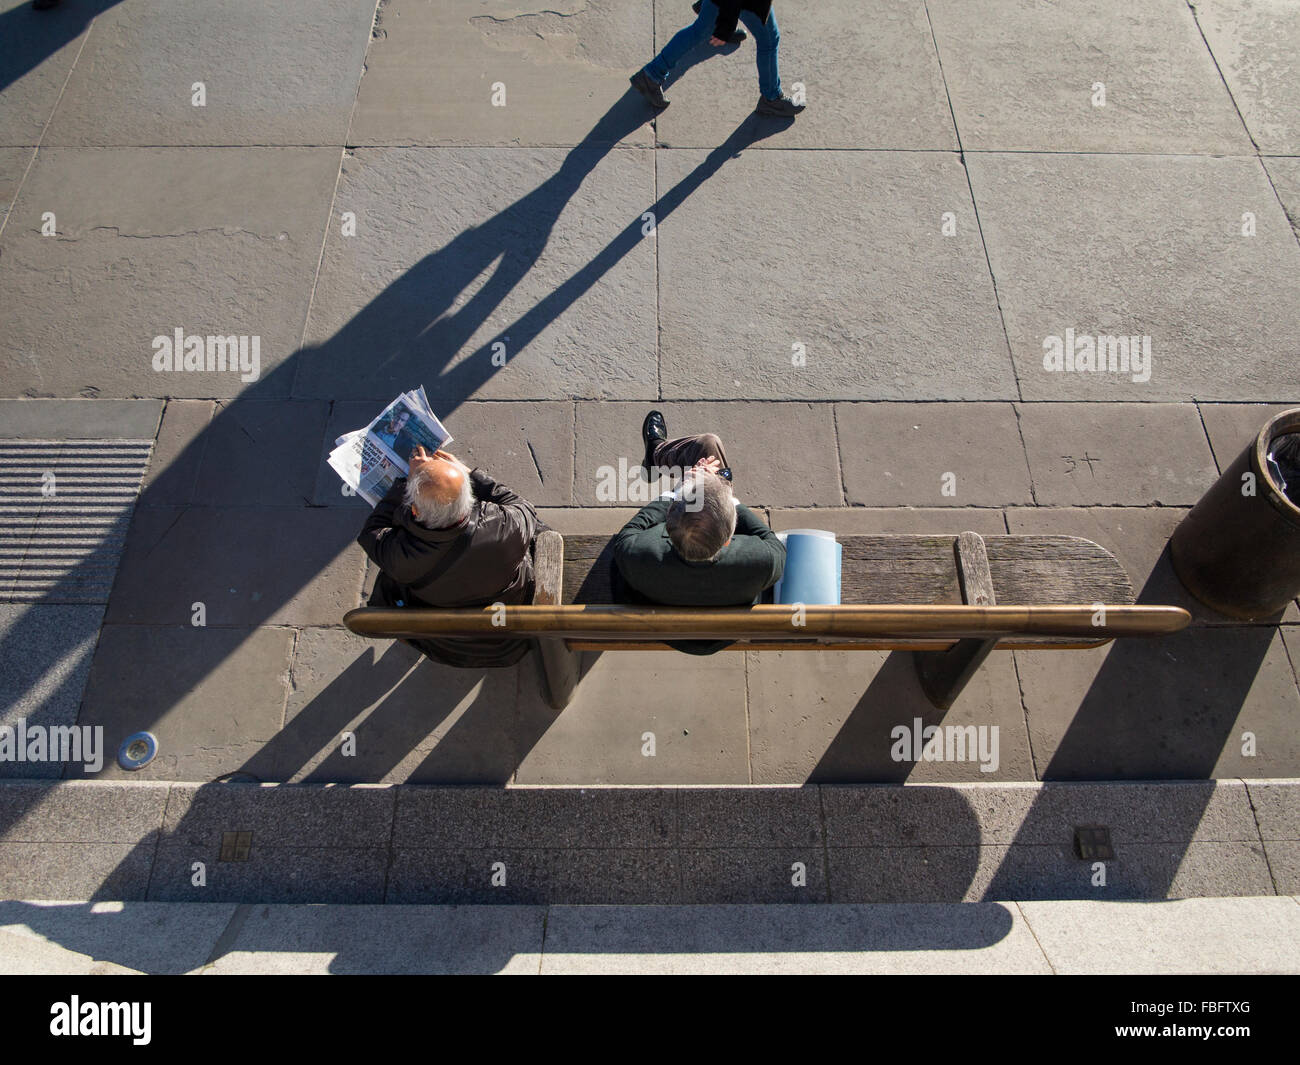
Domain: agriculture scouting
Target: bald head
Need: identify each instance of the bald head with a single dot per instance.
(440, 493)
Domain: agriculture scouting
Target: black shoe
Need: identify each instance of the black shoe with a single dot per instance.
(736, 38)
(44, 5)
(780, 108)
(649, 88)
(653, 432)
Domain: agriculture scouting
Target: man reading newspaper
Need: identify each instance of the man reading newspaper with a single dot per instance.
(448, 536)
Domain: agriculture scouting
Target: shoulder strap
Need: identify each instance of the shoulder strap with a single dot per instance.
(454, 550)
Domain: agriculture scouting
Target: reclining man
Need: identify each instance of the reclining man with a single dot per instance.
(696, 546)
(449, 536)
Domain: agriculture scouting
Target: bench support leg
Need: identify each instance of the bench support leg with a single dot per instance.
(943, 674)
(561, 668)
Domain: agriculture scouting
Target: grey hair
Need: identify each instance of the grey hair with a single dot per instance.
(704, 519)
(429, 512)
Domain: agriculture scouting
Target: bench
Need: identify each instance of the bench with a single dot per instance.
(949, 600)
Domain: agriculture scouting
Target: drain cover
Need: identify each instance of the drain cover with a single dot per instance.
(1092, 843)
(236, 846)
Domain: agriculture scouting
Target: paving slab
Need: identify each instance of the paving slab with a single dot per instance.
(754, 817)
(376, 711)
(1233, 427)
(989, 873)
(640, 717)
(1252, 42)
(538, 250)
(270, 874)
(610, 450)
(1141, 812)
(757, 303)
(236, 469)
(528, 817)
(151, 240)
(986, 521)
(23, 955)
(502, 875)
(1195, 936)
(13, 165)
(1023, 77)
(1191, 705)
(434, 940)
(837, 718)
(734, 875)
(79, 419)
(45, 654)
(138, 936)
(1117, 453)
(1291, 639)
(306, 570)
(280, 815)
(37, 51)
(1276, 805)
(825, 48)
(174, 465)
(76, 870)
(81, 812)
(562, 74)
(1032, 815)
(1285, 175)
(528, 446)
(789, 939)
(260, 67)
(960, 815)
(211, 696)
(1284, 865)
(1138, 537)
(1111, 246)
(932, 454)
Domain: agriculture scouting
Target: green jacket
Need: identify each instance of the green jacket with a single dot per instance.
(750, 563)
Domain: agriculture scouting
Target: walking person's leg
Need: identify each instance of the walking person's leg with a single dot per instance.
(767, 41)
(650, 78)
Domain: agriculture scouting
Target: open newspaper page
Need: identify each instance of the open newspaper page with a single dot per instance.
(404, 425)
(369, 460)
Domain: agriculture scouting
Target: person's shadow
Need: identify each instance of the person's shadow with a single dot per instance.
(29, 37)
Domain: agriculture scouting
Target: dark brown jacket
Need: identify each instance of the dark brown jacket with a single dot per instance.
(495, 567)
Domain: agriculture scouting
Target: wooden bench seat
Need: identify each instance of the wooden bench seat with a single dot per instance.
(949, 600)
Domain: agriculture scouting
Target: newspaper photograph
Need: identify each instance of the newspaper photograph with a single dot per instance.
(369, 460)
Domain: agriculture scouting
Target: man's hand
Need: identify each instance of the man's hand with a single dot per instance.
(420, 456)
(717, 42)
(447, 456)
(709, 465)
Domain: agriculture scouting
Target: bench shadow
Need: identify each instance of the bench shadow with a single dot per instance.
(128, 936)
(1156, 709)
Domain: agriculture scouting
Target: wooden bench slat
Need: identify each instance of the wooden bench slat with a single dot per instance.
(857, 621)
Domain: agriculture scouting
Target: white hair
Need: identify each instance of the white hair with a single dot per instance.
(703, 519)
(429, 512)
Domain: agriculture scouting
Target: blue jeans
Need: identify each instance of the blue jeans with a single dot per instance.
(766, 38)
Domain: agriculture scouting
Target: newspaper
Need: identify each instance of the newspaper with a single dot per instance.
(369, 460)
